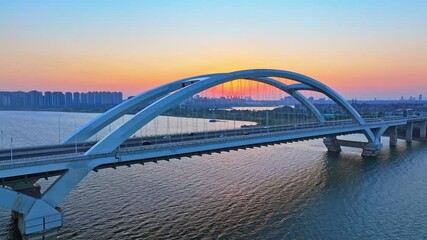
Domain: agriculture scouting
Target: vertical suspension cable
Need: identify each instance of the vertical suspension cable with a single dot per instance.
(168, 128)
(180, 123)
(156, 128)
(232, 104)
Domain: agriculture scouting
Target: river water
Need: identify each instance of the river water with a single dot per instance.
(292, 191)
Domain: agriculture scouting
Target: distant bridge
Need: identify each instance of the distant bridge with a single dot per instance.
(38, 214)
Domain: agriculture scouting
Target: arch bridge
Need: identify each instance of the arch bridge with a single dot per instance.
(37, 212)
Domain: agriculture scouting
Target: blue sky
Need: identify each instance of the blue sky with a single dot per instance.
(109, 45)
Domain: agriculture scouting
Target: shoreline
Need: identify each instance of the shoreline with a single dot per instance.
(54, 110)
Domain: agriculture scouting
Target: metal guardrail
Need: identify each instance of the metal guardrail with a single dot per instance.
(213, 140)
(269, 131)
(40, 158)
(261, 134)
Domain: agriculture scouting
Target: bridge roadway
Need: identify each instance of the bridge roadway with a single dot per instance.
(52, 160)
(67, 149)
(61, 149)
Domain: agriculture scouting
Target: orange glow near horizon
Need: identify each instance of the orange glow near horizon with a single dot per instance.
(133, 77)
(133, 48)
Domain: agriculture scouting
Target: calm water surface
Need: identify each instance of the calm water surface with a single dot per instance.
(292, 191)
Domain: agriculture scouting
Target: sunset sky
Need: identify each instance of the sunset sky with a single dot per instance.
(363, 49)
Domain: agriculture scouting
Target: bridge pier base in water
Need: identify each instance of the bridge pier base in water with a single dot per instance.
(372, 149)
(43, 223)
(393, 136)
(409, 132)
(332, 144)
(423, 129)
(40, 221)
(37, 214)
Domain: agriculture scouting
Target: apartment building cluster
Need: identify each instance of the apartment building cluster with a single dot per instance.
(38, 100)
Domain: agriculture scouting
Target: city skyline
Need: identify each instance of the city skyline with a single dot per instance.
(361, 48)
(56, 99)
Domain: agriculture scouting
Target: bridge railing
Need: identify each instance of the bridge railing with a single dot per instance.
(40, 158)
(238, 137)
(284, 128)
(262, 131)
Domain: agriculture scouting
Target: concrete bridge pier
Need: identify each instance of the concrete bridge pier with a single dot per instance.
(30, 188)
(332, 144)
(36, 220)
(423, 129)
(409, 132)
(372, 149)
(393, 136)
(37, 213)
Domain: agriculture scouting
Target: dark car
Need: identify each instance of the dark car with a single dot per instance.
(145, 143)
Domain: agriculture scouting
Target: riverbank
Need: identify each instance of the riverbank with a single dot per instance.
(278, 116)
(94, 110)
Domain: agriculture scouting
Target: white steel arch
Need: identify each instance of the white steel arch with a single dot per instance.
(110, 142)
(142, 100)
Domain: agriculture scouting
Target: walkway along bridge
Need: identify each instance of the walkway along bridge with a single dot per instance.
(38, 214)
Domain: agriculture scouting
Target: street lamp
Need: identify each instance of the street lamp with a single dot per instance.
(11, 149)
(59, 129)
(75, 139)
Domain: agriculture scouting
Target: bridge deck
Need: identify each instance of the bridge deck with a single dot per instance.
(176, 146)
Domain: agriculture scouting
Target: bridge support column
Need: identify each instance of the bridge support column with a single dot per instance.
(36, 219)
(393, 136)
(372, 149)
(41, 223)
(332, 144)
(38, 216)
(409, 132)
(423, 129)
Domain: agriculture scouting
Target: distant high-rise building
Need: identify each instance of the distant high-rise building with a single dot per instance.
(83, 99)
(76, 99)
(90, 98)
(19, 99)
(420, 97)
(117, 97)
(47, 99)
(35, 99)
(289, 100)
(4, 98)
(97, 98)
(106, 98)
(68, 99)
(58, 99)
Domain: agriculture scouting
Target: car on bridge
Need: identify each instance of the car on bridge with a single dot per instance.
(145, 143)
